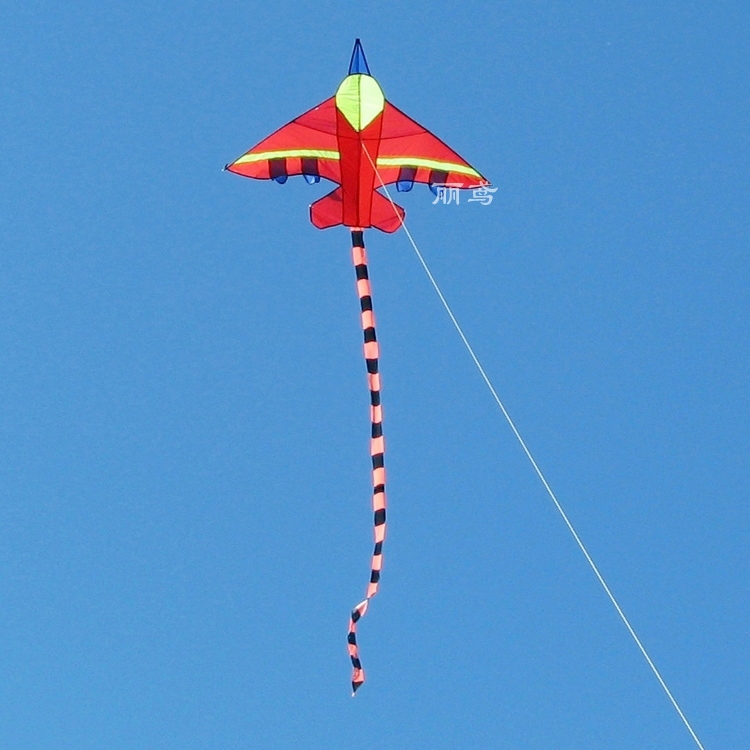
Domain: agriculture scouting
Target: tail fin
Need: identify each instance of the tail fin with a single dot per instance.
(385, 215)
(328, 211)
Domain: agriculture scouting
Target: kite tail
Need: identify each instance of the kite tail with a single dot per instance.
(377, 448)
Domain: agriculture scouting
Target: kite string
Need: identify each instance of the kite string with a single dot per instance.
(534, 464)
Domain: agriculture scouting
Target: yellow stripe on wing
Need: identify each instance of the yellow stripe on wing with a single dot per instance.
(416, 161)
(301, 153)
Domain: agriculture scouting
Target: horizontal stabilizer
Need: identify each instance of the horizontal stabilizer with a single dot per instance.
(385, 215)
(328, 211)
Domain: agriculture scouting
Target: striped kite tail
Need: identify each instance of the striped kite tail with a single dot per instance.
(377, 448)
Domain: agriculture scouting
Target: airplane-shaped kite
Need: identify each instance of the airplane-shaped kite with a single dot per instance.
(344, 139)
(361, 142)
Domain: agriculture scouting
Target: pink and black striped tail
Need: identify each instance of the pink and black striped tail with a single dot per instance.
(377, 449)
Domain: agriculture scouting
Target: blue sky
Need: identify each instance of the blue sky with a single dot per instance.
(183, 411)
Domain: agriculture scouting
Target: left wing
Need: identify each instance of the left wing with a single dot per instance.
(307, 145)
(409, 153)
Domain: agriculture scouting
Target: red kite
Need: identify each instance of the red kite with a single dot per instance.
(361, 142)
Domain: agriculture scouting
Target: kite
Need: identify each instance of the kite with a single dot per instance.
(361, 142)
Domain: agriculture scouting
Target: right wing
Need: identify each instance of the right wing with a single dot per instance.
(410, 153)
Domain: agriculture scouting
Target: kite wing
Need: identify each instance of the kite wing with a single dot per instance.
(409, 153)
(307, 146)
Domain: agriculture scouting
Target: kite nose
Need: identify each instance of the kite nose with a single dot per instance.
(358, 62)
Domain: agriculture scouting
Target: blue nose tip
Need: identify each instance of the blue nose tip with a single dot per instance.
(358, 62)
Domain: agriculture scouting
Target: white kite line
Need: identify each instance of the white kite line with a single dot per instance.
(534, 464)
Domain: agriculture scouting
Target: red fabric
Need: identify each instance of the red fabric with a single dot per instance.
(384, 215)
(328, 211)
(315, 129)
(404, 137)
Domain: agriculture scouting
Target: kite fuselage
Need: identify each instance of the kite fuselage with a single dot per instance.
(358, 153)
(359, 122)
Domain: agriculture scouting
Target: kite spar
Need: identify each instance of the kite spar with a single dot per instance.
(360, 141)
